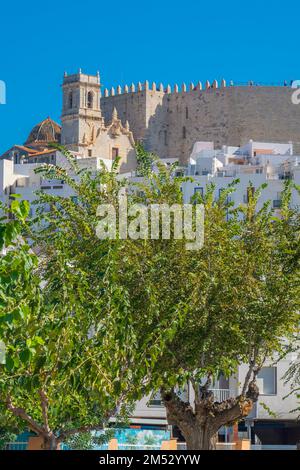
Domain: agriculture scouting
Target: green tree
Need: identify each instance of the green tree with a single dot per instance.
(120, 318)
(145, 160)
(42, 370)
(237, 300)
(78, 355)
(292, 375)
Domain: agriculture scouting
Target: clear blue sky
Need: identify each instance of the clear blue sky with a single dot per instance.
(127, 41)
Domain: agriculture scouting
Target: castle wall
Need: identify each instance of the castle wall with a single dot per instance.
(131, 107)
(231, 116)
(171, 122)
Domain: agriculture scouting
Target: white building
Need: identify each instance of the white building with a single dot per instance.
(255, 162)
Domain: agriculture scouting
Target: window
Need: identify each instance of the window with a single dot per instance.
(277, 203)
(267, 381)
(186, 112)
(166, 137)
(183, 132)
(228, 198)
(197, 192)
(90, 153)
(90, 99)
(114, 152)
(156, 400)
(197, 189)
(70, 100)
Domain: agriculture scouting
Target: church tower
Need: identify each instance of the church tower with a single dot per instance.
(81, 118)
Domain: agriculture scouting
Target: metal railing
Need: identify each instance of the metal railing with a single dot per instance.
(16, 445)
(273, 447)
(127, 446)
(221, 394)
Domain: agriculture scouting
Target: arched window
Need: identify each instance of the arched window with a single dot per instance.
(70, 100)
(90, 99)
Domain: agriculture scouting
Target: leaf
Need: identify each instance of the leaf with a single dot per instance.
(25, 356)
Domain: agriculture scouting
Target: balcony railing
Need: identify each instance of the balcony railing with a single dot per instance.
(221, 394)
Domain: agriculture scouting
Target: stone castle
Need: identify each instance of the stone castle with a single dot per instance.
(168, 121)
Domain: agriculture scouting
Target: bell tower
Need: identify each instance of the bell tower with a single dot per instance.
(81, 116)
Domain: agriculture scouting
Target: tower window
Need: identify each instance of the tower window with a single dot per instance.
(165, 137)
(90, 153)
(186, 112)
(70, 100)
(183, 132)
(90, 99)
(114, 152)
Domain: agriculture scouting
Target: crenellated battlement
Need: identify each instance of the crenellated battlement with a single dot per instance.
(160, 88)
(183, 88)
(140, 87)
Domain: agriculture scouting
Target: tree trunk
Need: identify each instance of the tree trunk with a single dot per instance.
(201, 438)
(200, 425)
(50, 442)
(197, 428)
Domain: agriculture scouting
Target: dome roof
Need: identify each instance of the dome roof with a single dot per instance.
(45, 132)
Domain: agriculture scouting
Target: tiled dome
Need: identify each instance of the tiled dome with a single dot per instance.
(45, 132)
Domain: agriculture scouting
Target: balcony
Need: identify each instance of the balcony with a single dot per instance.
(51, 184)
(221, 394)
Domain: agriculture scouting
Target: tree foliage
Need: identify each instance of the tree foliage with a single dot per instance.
(237, 300)
(79, 355)
(107, 321)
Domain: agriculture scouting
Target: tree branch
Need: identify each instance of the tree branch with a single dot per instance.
(234, 409)
(196, 386)
(44, 406)
(176, 408)
(21, 413)
(65, 434)
(247, 378)
(88, 428)
(252, 366)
